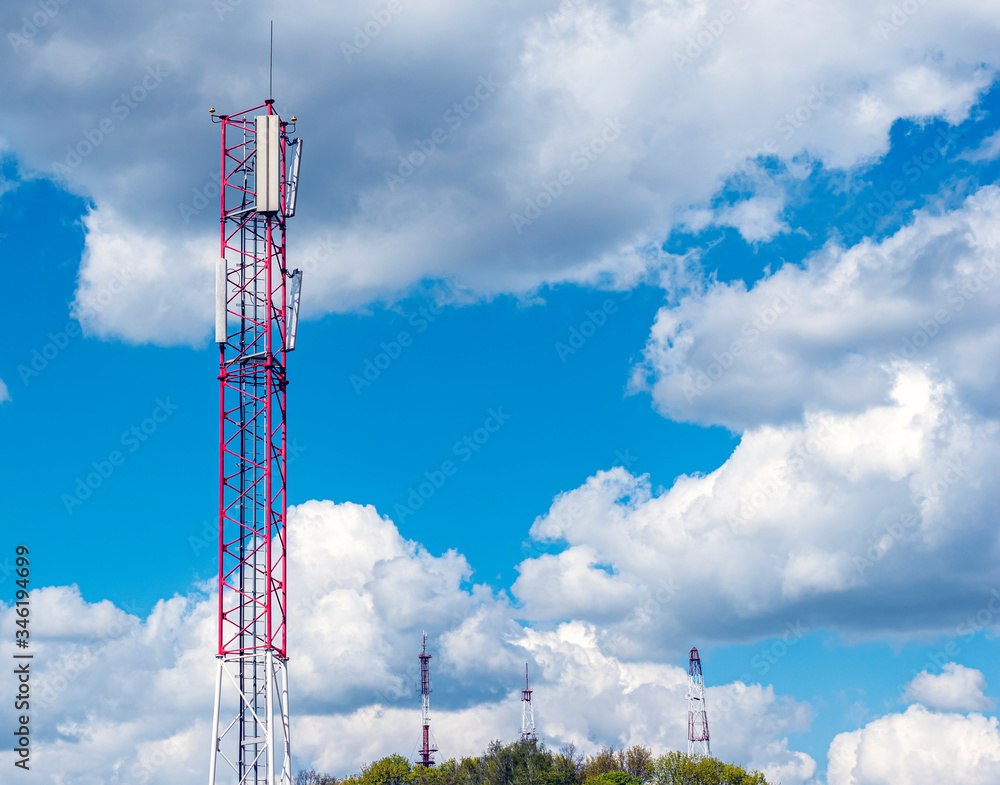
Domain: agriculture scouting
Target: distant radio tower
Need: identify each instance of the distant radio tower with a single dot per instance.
(698, 739)
(527, 714)
(427, 751)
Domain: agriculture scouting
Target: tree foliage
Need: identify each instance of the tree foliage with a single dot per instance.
(614, 778)
(313, 777)
(638, 762)
(633, 761)
(392, 770)
(676, 768)
(531, 763)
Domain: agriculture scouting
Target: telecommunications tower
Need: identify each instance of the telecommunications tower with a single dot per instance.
(698, 740)
(256, 315)
(427, 751)
(527, 714)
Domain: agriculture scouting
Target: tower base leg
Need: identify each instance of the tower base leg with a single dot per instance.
(252, 747)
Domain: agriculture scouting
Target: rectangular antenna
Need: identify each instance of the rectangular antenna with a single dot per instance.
(293, 180)
(294, 296)
(268, 163)
(221, 304)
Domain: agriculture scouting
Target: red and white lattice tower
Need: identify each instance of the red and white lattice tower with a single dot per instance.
(698, 738)
(527, 713)
(255, 323)
(426, 751)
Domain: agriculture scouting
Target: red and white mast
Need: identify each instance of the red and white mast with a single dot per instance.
(426, 751)
(255, 323)
(527, 713)
(698, 738)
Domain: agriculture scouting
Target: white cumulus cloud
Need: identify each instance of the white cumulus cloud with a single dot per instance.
(829, 333)
(850, 520)
(757, 219)
(918, 747)
(957, 688)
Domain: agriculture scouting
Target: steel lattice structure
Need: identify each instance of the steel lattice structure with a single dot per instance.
(698, 737)
(527, 713)
(426, 751)
(256, 318)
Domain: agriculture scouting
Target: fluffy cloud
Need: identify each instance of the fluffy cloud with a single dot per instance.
(382, 591)
(864, 385)
(116, 695)
(956, 689)
(757, 219)
(654, 103)
(918, 747)
(127, 283)
(857, 521)
(832, 331)
(784, 766)
(4, 392)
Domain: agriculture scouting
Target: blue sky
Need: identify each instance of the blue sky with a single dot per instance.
(743, 363)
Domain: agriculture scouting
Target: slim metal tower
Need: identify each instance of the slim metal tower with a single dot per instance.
(426, 751)
(255, 323)
(527, 713)
(698, 738)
